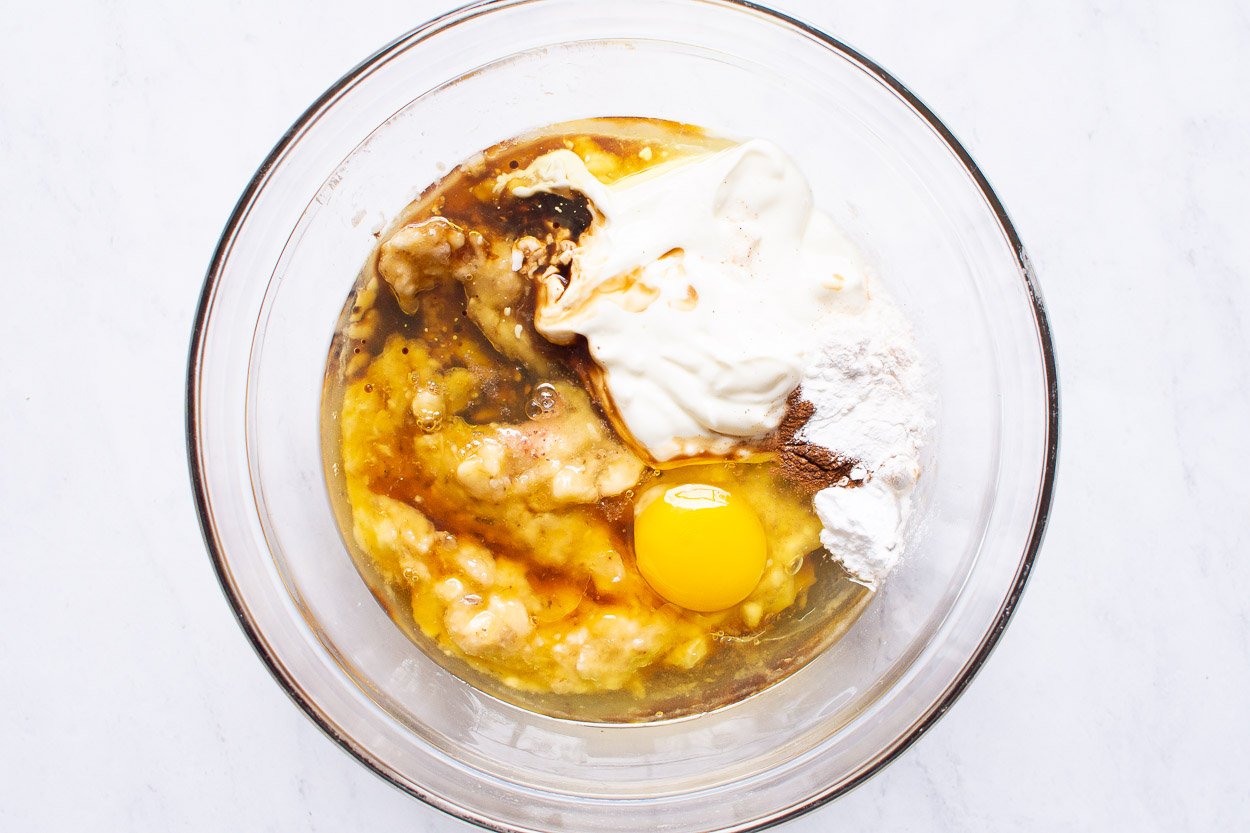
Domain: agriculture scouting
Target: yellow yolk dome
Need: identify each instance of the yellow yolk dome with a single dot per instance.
(699, 546)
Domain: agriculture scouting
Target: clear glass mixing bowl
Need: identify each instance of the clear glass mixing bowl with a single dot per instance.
(887, 171)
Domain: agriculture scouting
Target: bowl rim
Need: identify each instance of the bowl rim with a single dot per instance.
(447, 20)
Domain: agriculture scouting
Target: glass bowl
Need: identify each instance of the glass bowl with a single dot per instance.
(886, 170)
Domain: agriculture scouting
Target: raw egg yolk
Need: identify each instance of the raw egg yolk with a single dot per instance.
(699, 546)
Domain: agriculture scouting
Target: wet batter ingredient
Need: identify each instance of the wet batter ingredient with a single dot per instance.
(491, 504)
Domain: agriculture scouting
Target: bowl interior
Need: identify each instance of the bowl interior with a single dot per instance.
(884, 170)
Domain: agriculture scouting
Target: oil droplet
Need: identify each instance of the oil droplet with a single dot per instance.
(429, 421)
(545, 402)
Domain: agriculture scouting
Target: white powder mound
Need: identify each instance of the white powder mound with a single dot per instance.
(866, 388)
(862, 527)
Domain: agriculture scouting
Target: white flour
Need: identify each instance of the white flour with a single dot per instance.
(866, 388)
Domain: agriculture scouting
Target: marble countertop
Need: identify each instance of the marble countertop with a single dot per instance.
(1116, 133)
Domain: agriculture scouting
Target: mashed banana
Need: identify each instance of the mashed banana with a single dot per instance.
(521, 574)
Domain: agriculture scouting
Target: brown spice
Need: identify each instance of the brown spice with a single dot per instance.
(808, 466)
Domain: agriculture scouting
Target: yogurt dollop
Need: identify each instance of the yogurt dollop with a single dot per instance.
(700, 288)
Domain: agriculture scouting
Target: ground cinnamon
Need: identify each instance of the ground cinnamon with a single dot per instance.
(807, 466)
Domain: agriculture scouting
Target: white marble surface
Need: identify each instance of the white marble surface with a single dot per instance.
(1115, 132)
